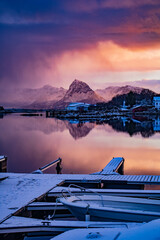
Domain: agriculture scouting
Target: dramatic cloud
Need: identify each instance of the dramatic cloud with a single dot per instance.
(109, 56)
(51, 41)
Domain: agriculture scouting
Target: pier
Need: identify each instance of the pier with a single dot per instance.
(114, 166)
(25, 198)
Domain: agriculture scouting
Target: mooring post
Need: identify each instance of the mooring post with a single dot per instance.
(3, 164)
(58, 167)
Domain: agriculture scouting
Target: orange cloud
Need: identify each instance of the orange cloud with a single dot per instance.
(107, 56)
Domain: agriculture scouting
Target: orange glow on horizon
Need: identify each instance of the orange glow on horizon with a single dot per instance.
(107, 56)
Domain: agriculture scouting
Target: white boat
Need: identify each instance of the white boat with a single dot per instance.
(148, 231)
(112, 208)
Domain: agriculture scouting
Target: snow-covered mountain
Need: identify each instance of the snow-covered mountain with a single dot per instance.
(79, 92)
(34, 97)
(110, 92)
(49, 97)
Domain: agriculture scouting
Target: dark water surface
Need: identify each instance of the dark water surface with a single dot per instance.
(32, 142)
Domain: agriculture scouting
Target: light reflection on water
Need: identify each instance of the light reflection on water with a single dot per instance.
(32, 142)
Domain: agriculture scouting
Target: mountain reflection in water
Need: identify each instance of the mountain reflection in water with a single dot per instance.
(133, 126)
(85, 147)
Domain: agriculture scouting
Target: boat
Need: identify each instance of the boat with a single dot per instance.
(112, 208)
(147, 231)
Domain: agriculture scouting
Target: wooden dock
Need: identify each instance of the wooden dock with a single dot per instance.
(57, 192)
(36, 206)
(22, 194)
(114, 166)
(18, 190)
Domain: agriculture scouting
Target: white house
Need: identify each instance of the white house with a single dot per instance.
(156, 102)
(77, 105)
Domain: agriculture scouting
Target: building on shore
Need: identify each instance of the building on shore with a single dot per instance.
(156, 102)
(75, 106)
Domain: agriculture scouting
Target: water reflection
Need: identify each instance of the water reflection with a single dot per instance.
(133, 126)
(32, 142)
(80, 129)
(144, 126)
(156, 124)
(1, 115)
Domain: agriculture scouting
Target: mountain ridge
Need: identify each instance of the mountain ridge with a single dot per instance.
(110, 92)
(48, 97)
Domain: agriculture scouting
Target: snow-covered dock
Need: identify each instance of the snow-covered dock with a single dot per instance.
(36, 206)
(57, 192)
(114, 166)
(17, 190)
(26, 192)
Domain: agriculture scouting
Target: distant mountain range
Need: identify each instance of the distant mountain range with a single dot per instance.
(49, 97)
(110, 92)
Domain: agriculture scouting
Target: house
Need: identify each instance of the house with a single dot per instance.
(75, 106)
(156, 102)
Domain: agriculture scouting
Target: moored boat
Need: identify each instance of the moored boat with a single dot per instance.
(112, 208)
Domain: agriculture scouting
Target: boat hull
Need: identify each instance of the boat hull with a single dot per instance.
(112, 215)
(112, 208)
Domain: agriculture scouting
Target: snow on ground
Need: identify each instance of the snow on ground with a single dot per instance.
(17, 190)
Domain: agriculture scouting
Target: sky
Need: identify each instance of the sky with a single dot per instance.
(101, 42)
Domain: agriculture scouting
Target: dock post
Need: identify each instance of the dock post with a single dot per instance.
(58, 167)
(47, 114)
(3, 164)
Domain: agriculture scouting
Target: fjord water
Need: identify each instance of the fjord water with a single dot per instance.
(32, 142)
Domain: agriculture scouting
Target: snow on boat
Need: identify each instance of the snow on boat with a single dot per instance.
(112, 208)
(148, 231)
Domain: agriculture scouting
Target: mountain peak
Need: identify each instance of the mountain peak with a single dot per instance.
(79, 92)
(78, 86)
(76, 81)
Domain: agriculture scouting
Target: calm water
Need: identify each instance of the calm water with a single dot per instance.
(32, 142)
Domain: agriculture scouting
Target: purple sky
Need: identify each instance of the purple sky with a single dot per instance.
(97, 41)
